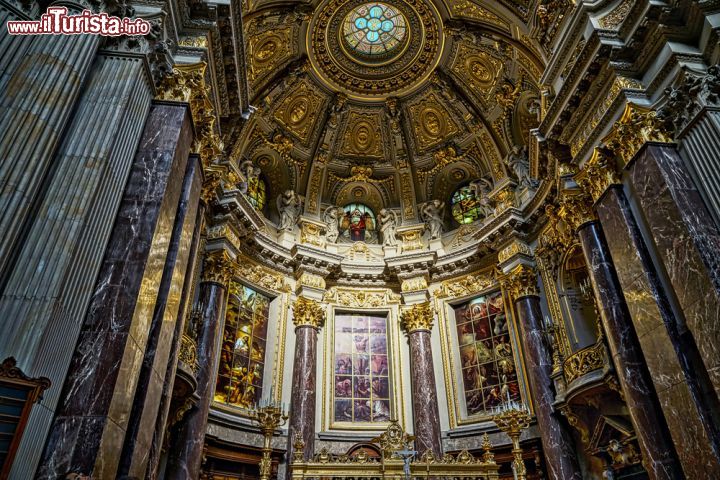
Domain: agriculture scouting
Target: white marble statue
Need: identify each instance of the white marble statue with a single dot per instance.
(388, 227)
(432, 214)
(332, 217)
(289, 205)
(517, 161)
(481, 188)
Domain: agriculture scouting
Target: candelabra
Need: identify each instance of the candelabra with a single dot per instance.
(269, 417)
(513, 421)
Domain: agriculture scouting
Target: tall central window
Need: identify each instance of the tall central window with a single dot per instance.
(361, 369)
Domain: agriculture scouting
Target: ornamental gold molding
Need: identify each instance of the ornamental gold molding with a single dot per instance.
(361, 298)
(308, 313)
(362, 135)
(218, 267)
(312, 233)
(477, 68)
(431, 122)
(584, 361)
(411, 239)
(636, 126)
(308, 279)
(260, 276)
(267, 50)
(521, 282)
(363, 174)
(466, 285)
(472, 10)
(417, 318)
(612, 20)
(415, 284)
(598, 174)
(515, 248)
(298, 112)
(442, 158)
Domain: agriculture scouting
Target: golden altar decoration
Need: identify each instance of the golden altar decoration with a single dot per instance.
(393, 444)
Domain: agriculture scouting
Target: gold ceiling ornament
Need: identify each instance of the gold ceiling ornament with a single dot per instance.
(431, 122)
(468, 9)
(284, 147)
(504, 198)
(443, 157)
(363, 135)
(469, 284)
(614, 19)
(218, 267)
(417, 318)
(636, 126)
(298, 112)
(363, 174)
(267, 50)
(375, 77)
(576, 209)
(308, 313)
(521, 282)
(598, 174)
(361, 297)
(477, 68)
(260, 275)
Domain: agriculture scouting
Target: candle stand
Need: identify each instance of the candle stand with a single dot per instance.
(269, 418)
(513, 422)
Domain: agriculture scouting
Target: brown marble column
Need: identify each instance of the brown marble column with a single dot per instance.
(308, 317)
(417, 322)
(186, 448)
(671, 359)
(659, 456)
(92, 417)
(557, 442)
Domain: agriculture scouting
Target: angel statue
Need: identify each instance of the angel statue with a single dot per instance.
(432, 213)
(332, 218)
(388, 225)
(289, 205)
(517, 160)
(481, 188)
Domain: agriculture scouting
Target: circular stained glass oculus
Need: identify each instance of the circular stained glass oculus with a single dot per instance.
(374, 29)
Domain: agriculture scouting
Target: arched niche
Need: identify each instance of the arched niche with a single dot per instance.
(576, 299)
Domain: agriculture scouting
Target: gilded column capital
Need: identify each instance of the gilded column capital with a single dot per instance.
(308, 313)
(417, 318)
(521, 282)
(577, 210)
(636, 126)
(218, 267)
(598, 174)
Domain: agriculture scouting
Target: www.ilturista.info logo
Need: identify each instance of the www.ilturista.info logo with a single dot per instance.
(57, 22)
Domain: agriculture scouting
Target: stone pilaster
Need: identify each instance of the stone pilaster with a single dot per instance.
(417, 321)
(673, 363)
(308, 317)
(60, 257)
(36, 105)
(91, 419)
(186, 449)
(557, 442)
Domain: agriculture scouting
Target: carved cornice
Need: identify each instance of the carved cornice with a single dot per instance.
(521, 282)
(417, 318)
(218, 267)
(308, 313)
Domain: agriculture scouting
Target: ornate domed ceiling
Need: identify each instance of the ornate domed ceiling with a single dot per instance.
(391, 104)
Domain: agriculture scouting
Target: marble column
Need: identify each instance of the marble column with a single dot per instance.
(146, 404)
(659, 456)
(36, 103)
(686, 240)
(14, 47)
(186, 447)
(191, 275)
(417, 322)
(91, 419)
(670, 358)
(48, 291)
(308, 317)
(557, 442)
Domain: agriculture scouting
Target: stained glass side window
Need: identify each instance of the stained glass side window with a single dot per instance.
(361, 369)
(374, 28)
(256, 192)
(242, 357)
(465, 205)
(486, 356)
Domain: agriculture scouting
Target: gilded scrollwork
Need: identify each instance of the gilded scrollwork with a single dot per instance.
(416, 318)
(218, 267)
(308, 313)
(298, 112)
(363, 136)
(267, 50)
(636, 126)
(361, 298)
(521, 282)
(466, 285)
(431, 122)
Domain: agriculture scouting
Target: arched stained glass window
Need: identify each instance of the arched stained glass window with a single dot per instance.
(358, 224)
(256, 192)
(374, 28)
(465, 206)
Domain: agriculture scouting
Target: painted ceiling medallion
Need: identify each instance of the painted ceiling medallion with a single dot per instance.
(371, 50)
